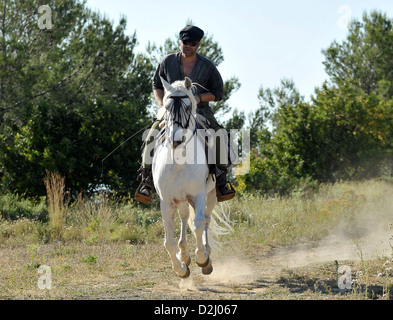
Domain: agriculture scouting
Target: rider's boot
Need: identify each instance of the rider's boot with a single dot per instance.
(224, 188)
(145, 189)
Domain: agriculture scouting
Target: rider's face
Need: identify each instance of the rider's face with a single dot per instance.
(188, 48)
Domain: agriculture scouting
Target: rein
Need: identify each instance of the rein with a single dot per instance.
(120, 145)
(178, 109)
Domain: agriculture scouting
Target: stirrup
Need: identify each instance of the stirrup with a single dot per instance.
(145, 177)
(142, 197)
(223, 183)
(228, 196)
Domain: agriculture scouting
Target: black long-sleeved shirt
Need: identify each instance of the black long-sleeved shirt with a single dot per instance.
(204, 73)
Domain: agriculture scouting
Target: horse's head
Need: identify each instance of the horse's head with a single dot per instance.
(180, 105)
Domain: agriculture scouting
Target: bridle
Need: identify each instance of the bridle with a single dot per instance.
(177, 110)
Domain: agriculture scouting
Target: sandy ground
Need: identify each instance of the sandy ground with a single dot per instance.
(298, 272)
(117, 271)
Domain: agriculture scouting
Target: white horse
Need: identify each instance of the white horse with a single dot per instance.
(182, 180)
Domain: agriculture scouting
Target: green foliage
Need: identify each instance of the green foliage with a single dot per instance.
(237, 121)
(89, 259)
(69, 96)
(13, 207)
(355, 134)
(364, 58)
(88, 220)
(344, 132)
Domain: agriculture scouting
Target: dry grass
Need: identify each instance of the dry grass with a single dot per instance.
(79, 271)
(57, 203)
(288, 220)
(281, 248)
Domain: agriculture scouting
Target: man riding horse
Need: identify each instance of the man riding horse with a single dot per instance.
(202, 71)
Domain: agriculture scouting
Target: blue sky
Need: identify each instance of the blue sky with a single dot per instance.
(262, 41)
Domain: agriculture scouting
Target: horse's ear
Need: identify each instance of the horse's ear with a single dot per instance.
(187, 83)
(166, 85)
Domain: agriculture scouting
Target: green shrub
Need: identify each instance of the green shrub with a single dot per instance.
(13, 207)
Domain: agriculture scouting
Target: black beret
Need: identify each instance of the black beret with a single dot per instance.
(191, 33)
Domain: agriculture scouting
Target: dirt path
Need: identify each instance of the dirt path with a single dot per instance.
(304, 271)
(125, 271)
(300, 272)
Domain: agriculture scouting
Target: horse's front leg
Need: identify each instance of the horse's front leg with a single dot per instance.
(168, 212)
(183, 255)
(199, 223)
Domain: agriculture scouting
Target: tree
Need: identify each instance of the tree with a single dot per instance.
(237, 121)
(77, 91)
(275, 131)
(365, 57)
(344, 132)
(354, 136)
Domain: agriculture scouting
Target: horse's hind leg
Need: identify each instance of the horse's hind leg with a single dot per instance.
(211, 203)
(168, 218)
(183, 255)
(202, 257)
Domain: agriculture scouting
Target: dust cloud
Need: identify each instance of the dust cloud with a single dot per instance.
(367, 235)
(229, 271)
(233, 271)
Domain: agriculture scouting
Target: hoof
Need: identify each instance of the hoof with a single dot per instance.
(208, 270)
(186, 275)
(208, 267)
(205, 264)
(188, 261)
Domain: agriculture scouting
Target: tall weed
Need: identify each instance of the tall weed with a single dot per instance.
(57, 203)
